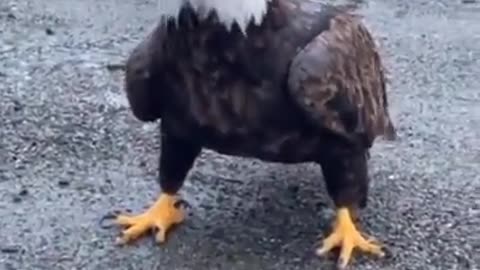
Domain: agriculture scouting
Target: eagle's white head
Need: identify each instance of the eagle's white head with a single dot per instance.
(229, 11)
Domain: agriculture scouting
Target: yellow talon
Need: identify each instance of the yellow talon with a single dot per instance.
(162, 215)
(346, 235)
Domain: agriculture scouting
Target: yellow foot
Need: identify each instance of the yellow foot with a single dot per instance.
(346, 235)
(162, 215)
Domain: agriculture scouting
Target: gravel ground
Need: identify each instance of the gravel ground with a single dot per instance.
(71, 152)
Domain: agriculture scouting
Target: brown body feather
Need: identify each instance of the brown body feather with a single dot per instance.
(305, 85)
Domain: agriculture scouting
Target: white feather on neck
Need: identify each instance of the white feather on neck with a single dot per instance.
(228, 11)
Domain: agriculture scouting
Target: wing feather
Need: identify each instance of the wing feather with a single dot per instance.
(141, 86)
(338, 80)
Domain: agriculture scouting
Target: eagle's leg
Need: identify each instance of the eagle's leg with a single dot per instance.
(177, 158)
(347, 182)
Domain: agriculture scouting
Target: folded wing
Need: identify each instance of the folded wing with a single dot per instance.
(338, 80)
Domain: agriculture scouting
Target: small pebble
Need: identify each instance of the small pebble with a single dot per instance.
(293, 189)
(9, 250)
(115, 67)
(23, 192)
(49, 32)
(63, 183)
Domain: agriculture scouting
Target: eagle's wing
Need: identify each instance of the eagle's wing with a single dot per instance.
(140, 75)
(338, 81)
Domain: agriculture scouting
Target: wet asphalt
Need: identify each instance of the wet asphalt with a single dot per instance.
(71, 152)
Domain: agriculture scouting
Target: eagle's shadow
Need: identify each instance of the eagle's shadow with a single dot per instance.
(283, 211)
(280, 210)
(279, 214)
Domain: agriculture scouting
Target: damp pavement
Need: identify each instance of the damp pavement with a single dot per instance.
(71, 151)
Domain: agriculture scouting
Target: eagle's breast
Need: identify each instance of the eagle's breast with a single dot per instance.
(228, 85)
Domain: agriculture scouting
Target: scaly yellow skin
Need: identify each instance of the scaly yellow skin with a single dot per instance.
(161, 215)
(346, 235)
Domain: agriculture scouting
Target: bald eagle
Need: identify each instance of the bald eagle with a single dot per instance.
(286, 81)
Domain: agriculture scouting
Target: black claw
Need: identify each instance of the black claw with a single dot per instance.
(182, 203)
(105, 220)
(341, 265)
